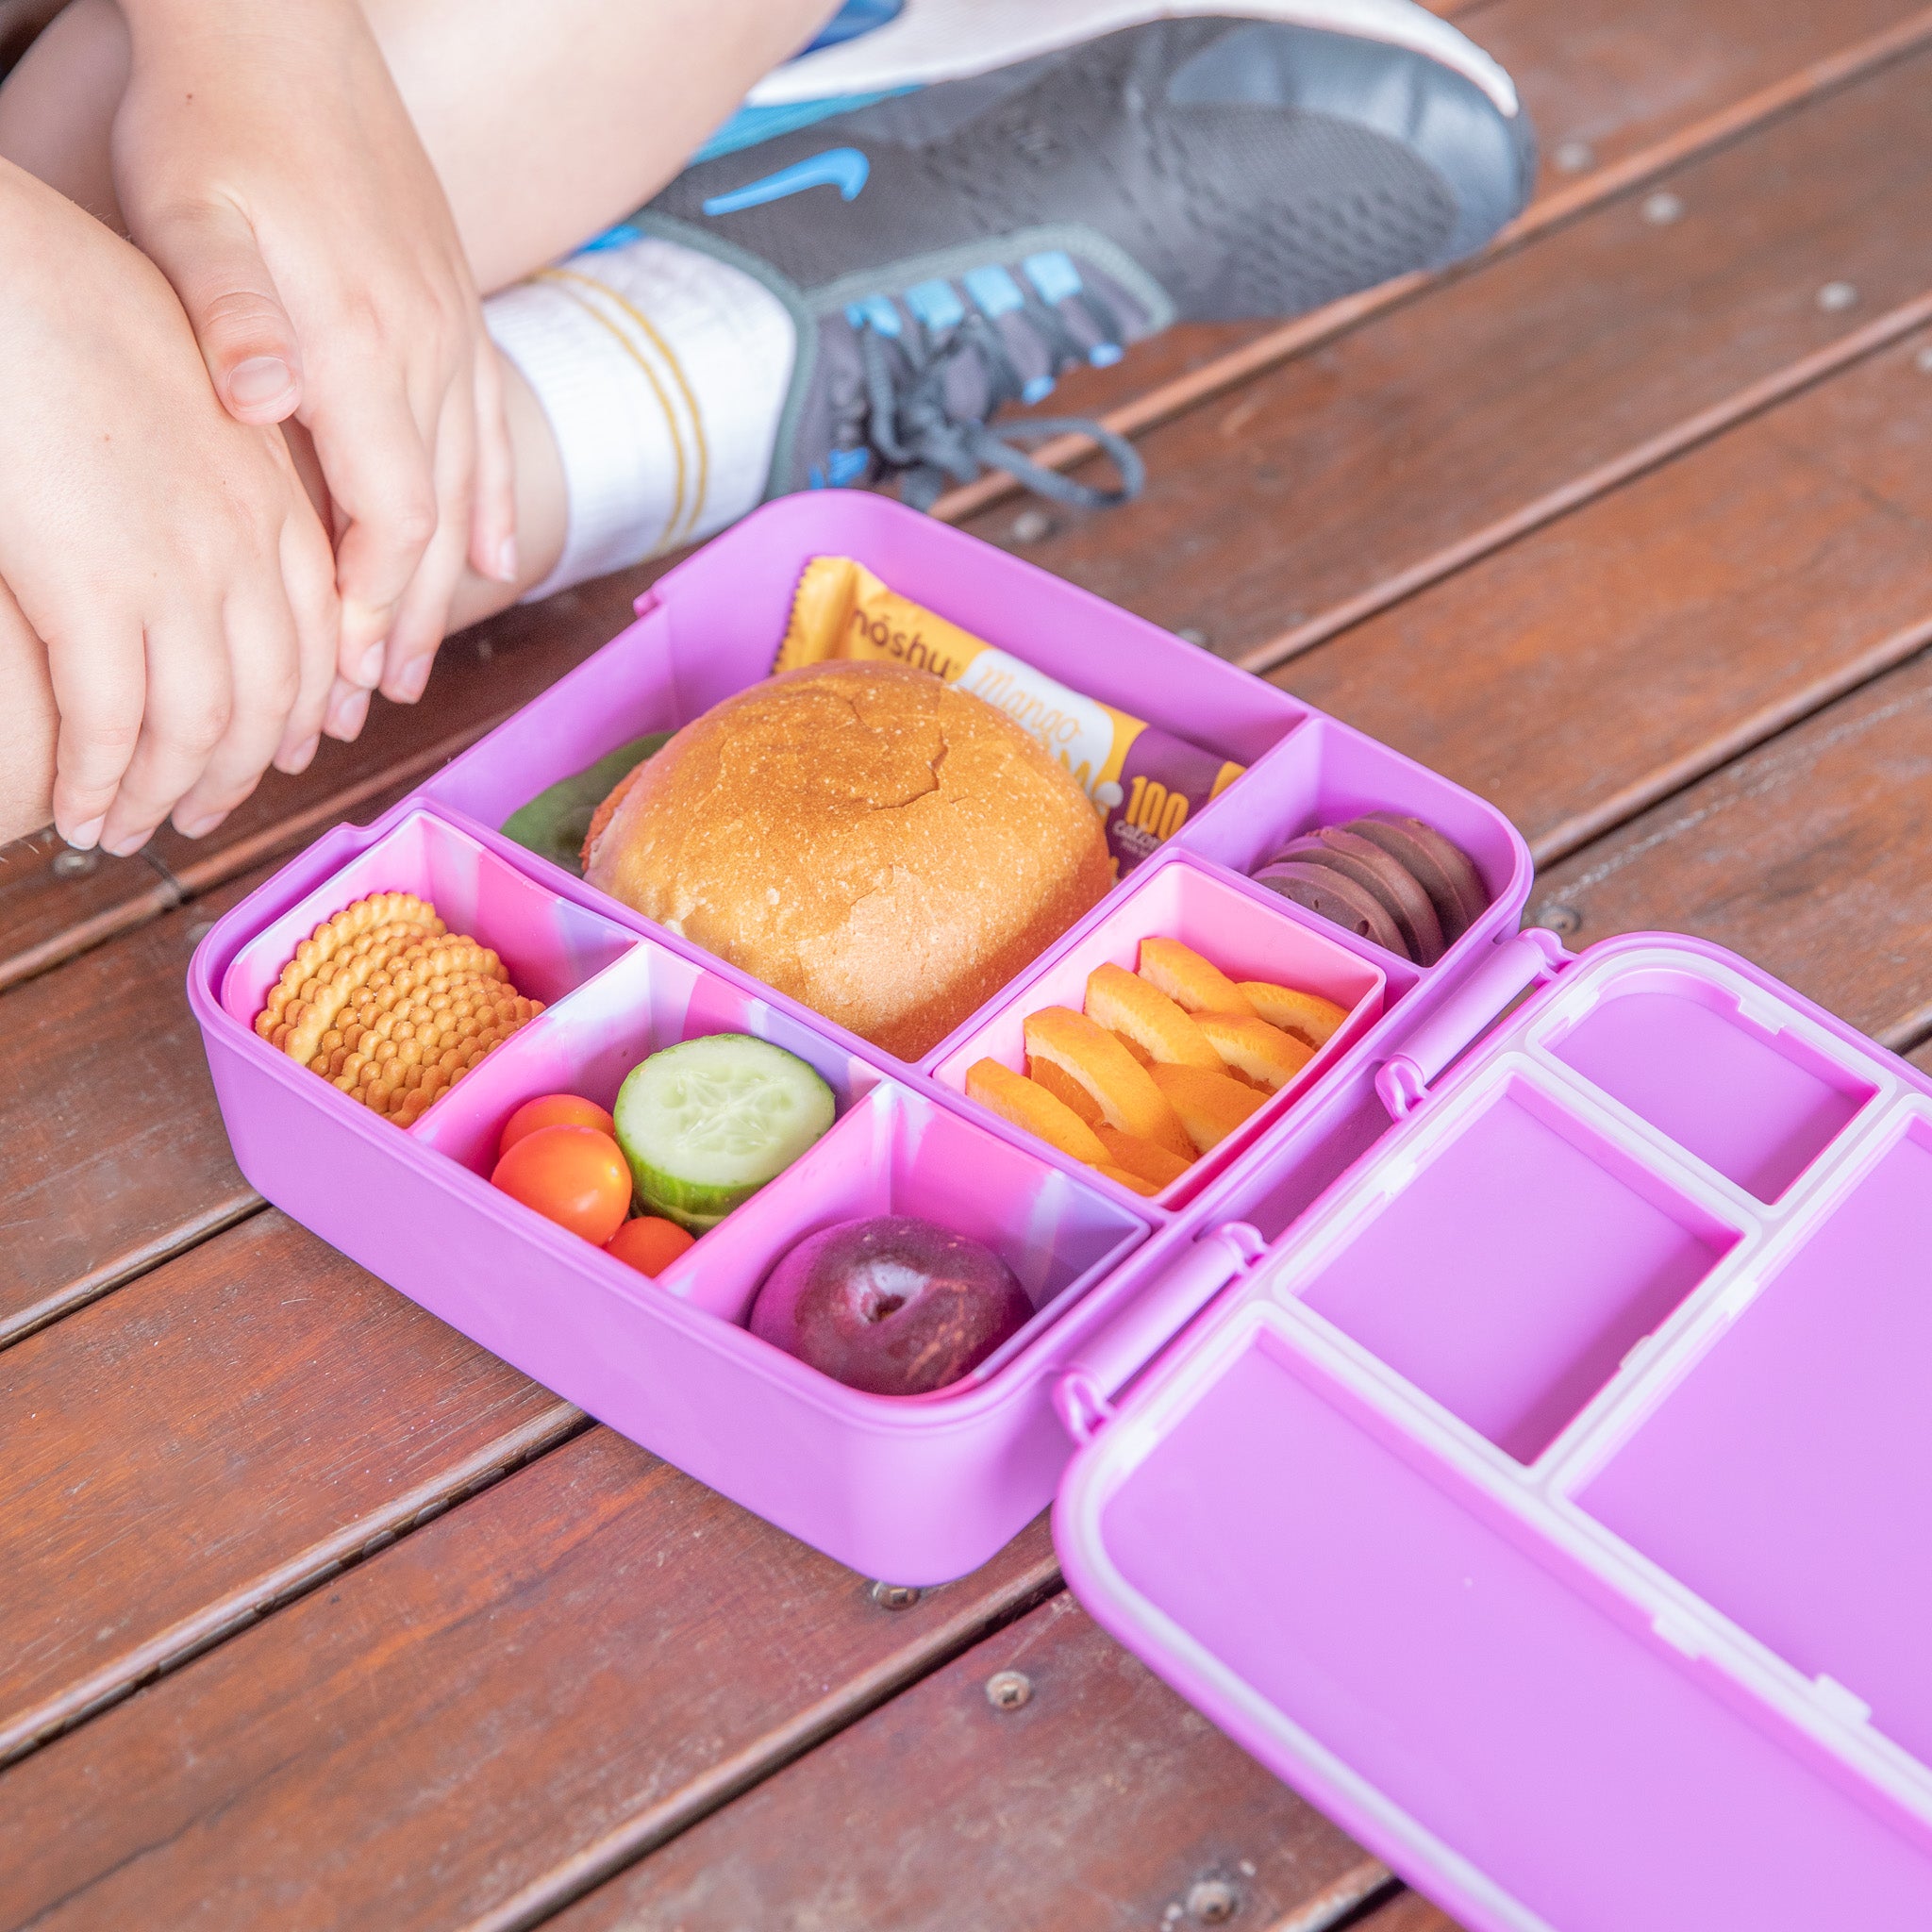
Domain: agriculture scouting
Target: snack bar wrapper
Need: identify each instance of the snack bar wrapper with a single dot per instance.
(1145, 782)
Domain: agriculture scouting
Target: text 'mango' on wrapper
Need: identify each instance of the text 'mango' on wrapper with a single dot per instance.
(1145, 782)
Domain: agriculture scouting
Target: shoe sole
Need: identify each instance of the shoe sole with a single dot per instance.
(950, 40)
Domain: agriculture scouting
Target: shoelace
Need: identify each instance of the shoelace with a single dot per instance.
(903, 417)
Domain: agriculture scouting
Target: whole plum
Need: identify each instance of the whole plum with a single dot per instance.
(893, 1304)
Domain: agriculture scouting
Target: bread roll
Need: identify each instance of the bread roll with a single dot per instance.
(887, 850)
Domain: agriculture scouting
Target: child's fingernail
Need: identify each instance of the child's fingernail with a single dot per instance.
(84, 838)
(127, 845)
(369, 672)
(195, 828)
(507, 561)
(346, 714)
(301, 758)
(259, 380)
(407, 685)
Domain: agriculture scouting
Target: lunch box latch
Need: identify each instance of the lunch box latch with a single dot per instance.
(1533, 957)
(1083, 1395)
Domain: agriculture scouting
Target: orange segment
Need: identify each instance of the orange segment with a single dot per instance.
(1210, 1105)
(1126, 1094)
(1025, 1104)
(1306, 1013)
(1142, 1157)
(1142, 1056)
(1132, 1182)
(1128, 1006)
(1265, 1053)
(1065, 1089)
(1190, 980)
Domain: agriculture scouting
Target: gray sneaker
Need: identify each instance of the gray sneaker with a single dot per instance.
(948, 251)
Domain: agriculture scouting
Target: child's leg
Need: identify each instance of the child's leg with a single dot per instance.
(546, 120)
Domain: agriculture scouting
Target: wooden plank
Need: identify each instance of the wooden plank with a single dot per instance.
(47, 915)
(1613, 657)
(1618, 92)
(215, 1438)
(1103, 1802)
(1811, 856)
(112, 1151)
(112, 1154)
(484, 1720)
(54, 903)
(1345, 471)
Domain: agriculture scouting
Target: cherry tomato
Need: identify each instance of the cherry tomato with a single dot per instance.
(649, 1244)
(553, 1110)
(571, 1176)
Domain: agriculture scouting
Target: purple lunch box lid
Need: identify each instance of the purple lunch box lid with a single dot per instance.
(1538, 1503)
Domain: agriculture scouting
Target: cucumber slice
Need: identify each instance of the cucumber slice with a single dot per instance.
(705, 1124)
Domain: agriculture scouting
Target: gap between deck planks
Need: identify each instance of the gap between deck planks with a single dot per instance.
(1640, 84)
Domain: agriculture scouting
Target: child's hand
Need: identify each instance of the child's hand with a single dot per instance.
(264, 160)
(166, 556)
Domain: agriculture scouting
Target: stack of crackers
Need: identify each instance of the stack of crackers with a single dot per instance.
(1165, 1063)
(390, 1005)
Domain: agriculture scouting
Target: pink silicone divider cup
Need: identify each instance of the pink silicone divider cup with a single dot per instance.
(1242, 933)
(1611, 1360)
(898, 1153)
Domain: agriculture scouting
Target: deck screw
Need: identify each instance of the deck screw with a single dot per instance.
(1190, 635)
(75, 865)
(1559, 919)
(1573, 157)
(894, 1596)
(1661, 209)
(1836, 296)
(1008, 1689)
(1213, 1901)
(1032, 526)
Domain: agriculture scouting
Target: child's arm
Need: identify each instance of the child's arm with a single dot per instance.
(164, 554)
(264, 160)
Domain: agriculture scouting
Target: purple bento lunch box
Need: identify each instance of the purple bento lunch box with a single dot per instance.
(1537, 1482)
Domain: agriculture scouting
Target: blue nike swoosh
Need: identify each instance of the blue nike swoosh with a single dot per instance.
(844, 168)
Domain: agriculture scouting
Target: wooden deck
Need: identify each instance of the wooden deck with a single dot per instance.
(317, 1616)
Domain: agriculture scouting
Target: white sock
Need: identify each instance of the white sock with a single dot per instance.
(663, 374)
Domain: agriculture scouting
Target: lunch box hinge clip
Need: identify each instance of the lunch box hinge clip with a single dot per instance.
(1083, 1397)
(1533, 957)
